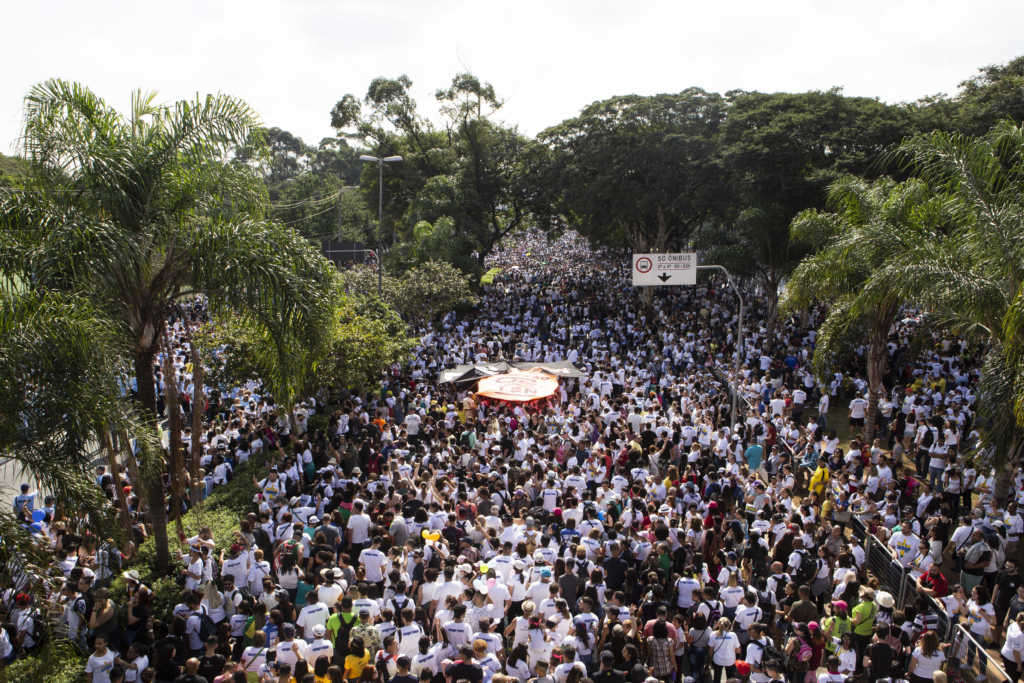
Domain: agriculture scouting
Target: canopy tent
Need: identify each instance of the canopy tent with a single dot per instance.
(518, 386)
(464, 374)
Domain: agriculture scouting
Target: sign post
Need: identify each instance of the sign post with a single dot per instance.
(656, 270)
(659, 270)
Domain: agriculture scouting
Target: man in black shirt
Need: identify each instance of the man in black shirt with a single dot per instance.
(879, 655)
(1008, 579)
(615, 568)
(211, 664)
(464, 668)
(608, 674)
(191, 674)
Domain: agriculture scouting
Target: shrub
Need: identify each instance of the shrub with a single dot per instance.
(221, 511)
(58, 661)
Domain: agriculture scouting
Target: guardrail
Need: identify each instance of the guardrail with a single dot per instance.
(972, 661)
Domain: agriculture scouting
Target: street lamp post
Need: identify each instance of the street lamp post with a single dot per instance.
(380, 161)
(739, 337)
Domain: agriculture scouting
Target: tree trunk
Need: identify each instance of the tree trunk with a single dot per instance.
(122, 500)
(175, 466)
(125, 443)
(198, 410)
(771, 290)
(153, 471)
(878, 357)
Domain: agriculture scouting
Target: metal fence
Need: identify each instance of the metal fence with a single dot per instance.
(969, 661)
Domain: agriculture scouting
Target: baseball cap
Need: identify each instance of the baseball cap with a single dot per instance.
(319, 630)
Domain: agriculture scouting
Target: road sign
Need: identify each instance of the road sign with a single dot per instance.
(655, 270)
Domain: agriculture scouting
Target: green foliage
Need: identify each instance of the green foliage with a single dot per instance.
(222, 511)
(57, 381)
(13, 171)
(370, 338)
(779, 152)
(432, 289)
(488, 277)
(638, 171)
(471, 175)
(995, 94)
(136, 212)
(969, 277)
(59, 661)
(422, 293)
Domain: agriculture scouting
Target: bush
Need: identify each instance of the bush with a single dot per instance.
(58, 661)
(221, 511)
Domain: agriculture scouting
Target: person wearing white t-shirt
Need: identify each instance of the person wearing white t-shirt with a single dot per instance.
(100, 663)
(358, 526)
(725, 648)
(927, 658)
(906, 546)
(1013, 648)
(315, 613)
(373, 562)
(319, 646)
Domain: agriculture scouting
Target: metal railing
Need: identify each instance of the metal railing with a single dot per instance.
(970, 659)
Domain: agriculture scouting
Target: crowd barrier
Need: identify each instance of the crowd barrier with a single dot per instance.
(969, 659)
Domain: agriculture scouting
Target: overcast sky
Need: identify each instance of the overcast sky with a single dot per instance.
(293, 60)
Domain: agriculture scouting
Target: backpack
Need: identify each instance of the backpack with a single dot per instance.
(780, 587)
(206, 627)
(800, 660)
(714, 611)
(398, 608)
(928, 439)
(769, 653)
(805, 573)
(39, 631)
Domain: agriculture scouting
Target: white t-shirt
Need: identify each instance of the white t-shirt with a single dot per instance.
(360, 526)
(100, 666)
(373, 560)
(723, 647)
(310, 616)
(926, 666)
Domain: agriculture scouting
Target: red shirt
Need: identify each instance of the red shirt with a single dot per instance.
(939, 584)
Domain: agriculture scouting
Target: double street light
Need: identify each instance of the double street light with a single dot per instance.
(380, 161)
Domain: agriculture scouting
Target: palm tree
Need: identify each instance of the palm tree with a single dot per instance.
(871, 223)
(971, 279)
(140, 211)
(57, 389)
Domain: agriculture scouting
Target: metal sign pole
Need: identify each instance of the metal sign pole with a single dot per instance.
(739, 337)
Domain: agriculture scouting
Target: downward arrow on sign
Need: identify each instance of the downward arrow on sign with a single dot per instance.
(664, 277)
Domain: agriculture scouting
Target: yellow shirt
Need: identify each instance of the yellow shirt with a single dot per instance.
(354, 665)
(819, 480)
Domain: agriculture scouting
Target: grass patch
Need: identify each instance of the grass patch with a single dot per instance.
(488, 277)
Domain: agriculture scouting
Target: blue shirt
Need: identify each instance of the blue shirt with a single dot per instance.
(753, 454)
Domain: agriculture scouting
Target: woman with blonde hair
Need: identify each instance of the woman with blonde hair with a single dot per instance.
(724, 647)
(213, 601)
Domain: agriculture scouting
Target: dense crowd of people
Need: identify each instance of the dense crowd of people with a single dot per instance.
(628, 528)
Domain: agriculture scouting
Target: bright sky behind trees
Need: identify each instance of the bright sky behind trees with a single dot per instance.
(293, 59)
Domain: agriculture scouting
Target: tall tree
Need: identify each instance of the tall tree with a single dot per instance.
(57, 388)
(639, 171)
(870, 224)
(779, 152)
(972, 279)
(138, 211)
